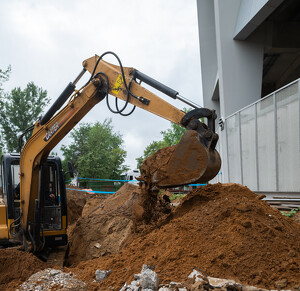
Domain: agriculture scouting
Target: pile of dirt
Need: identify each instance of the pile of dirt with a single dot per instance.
(16, 267)
(296, 217)
(78, 200)
(224, 230)
(75, 203)
(105, 225)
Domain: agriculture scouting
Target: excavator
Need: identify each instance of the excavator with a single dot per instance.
(34, 213)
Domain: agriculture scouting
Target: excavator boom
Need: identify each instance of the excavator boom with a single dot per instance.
(193, 159)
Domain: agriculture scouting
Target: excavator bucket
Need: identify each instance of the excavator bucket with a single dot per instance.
(193, 160)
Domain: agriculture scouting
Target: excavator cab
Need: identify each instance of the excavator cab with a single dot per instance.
(50, 217)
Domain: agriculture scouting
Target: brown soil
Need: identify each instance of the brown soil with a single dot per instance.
(93, 204)
(224, 230)
(187, 162)
(155, 162)
(77, 201)
(105, 225)
(16, 267)
(296, 217)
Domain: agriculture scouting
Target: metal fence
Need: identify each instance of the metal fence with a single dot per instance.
(263, 143)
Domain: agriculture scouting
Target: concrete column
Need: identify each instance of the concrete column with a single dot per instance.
(208, 54)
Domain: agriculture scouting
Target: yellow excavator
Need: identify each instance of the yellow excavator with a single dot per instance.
(29, 216)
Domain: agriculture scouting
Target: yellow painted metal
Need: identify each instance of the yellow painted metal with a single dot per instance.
(45, 137)
(9, 222)
(58, 232)
(3, 223)
(157, 105)
(43, 140)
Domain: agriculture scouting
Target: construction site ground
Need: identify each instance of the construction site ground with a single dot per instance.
(225, 230)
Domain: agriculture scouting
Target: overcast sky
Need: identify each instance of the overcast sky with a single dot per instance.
(46, 42)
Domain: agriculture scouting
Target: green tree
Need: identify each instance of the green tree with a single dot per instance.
(150, 150)
(73, 151)
(19, 109)
(170, 137)
(95, 151)
(4, 76)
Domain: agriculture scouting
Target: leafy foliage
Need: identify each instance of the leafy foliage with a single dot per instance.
(170, 137)
(150, 150)
(290, 213)
(96, 151)
(19, 109)
(4, 76)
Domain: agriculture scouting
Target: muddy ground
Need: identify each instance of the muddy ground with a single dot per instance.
(225, 230)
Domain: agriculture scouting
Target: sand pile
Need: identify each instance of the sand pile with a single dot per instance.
(16, 267)
(224, 230)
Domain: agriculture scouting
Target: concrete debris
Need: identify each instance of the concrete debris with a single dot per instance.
(133, 286)
(50, 279)
(147, 280)
(101, 275)
(203, 282)
(97, 245)
(199, 278)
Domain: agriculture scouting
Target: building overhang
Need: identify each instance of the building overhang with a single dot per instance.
(252, 14)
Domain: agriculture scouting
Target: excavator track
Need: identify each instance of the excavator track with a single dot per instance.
(57, 256)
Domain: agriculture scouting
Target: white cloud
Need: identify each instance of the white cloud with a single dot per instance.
(46, 42)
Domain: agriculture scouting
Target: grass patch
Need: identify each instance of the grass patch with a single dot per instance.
(290, 213)
(176, 196)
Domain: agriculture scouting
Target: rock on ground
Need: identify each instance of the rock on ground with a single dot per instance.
(104, 228)
(52, 279)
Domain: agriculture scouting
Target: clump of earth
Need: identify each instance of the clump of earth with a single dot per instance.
(106, 225)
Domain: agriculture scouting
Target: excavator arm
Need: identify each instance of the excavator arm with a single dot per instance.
(122, 83)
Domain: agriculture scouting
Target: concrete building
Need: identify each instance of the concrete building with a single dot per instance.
(250, 49)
